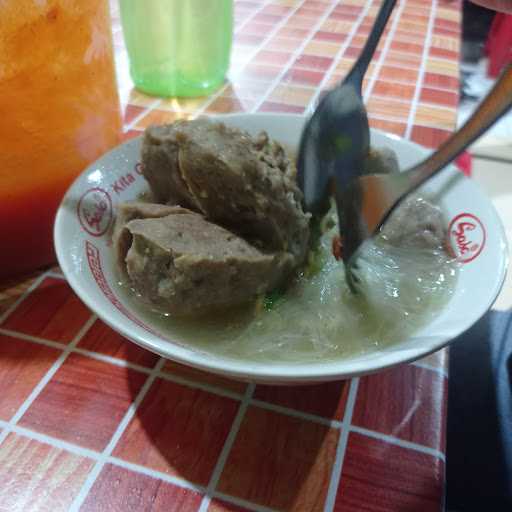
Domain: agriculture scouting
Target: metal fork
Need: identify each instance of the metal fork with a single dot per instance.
(368, 201)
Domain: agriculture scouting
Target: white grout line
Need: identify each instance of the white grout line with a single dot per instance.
(21, 298)
(405, 65)
(137, 468)
(56, 443)
(399, 442)
(243, 503)
(56, 275)
(49, 374)
(342, 447)
(421, 73)
(228, 444)
(207, 103)
(263, 80)
(400, 100)
(446, 60)
(401, 81)
(297, 414)
(152, 106)
(258, 48)
(434, 105)
(34, 339)
(338, 56)
(389, 39)
(390, 118)
(426, 366)
(93, 475)
(112, 360)
(298, 51)
(200, 385)
(252, 16)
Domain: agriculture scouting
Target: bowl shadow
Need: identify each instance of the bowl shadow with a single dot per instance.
(273, 446)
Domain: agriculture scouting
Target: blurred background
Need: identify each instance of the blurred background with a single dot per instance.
(486, 47)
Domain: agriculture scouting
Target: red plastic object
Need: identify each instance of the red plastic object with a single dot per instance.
(465, 163)
(499, 44)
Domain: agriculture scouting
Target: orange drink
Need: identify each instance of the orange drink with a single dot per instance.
(59, 111)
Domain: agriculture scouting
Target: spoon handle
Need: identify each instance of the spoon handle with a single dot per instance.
(366, 55)
(495, 105)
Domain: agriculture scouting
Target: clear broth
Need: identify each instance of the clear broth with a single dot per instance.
(319, 318)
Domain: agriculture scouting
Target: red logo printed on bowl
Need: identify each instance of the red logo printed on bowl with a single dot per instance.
(94, 211)
(139, 168)
(467, 237)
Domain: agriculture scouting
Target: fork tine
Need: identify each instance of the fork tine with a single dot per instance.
(353, 229)
(353, 280)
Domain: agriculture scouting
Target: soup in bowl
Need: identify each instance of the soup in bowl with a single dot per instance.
(306, 327)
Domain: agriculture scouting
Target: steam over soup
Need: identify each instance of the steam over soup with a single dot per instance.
(224, 256)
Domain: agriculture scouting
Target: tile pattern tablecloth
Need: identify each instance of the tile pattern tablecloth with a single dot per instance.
(90, 421)
(287, 52)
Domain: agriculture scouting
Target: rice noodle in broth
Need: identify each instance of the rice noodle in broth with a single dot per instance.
(318, 318)
(226, 226)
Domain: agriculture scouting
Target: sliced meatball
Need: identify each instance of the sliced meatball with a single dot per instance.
(185, 265)
(244, 184)
(126, 212)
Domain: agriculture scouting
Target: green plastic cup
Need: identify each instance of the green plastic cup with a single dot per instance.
(178, 47)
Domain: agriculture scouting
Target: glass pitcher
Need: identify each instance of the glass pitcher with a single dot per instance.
(59, 111)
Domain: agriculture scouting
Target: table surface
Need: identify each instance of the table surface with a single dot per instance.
(90, 421)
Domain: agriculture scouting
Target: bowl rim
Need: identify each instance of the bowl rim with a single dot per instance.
(314, 371)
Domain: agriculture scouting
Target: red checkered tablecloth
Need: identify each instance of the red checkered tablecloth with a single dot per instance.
(89, 421)
(287, 52)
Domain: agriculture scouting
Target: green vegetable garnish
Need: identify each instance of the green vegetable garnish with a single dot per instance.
(271, 299)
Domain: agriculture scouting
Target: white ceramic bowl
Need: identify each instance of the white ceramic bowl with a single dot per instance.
(85, 255)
